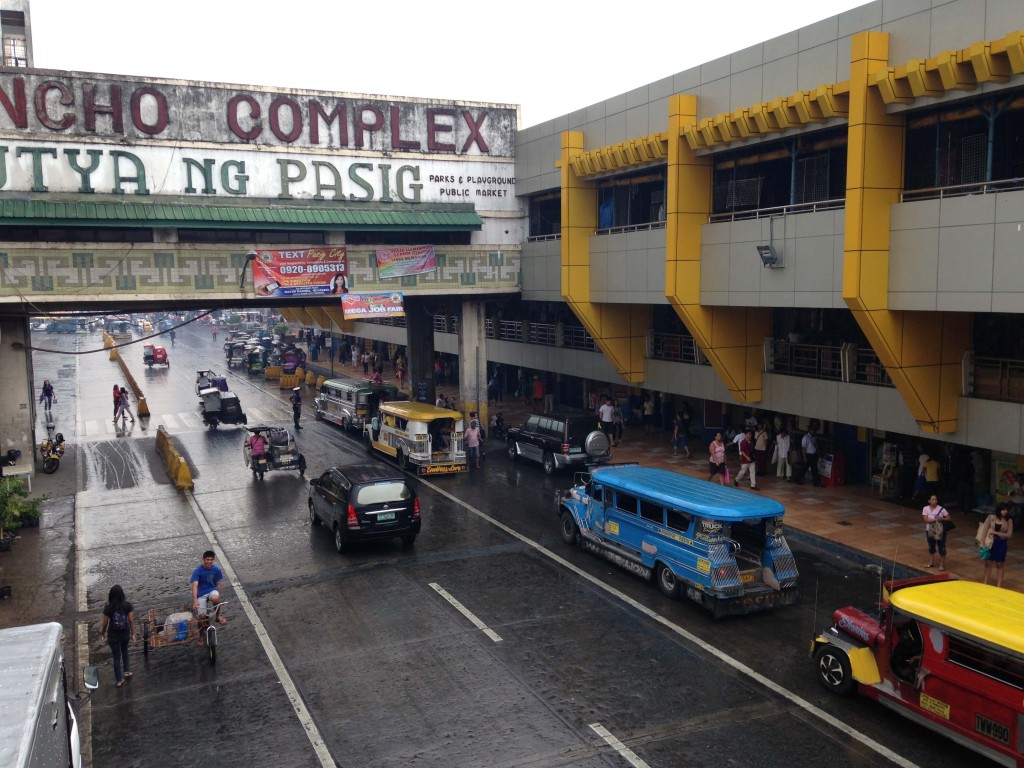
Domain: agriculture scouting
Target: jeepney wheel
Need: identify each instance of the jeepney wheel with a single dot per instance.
(667, 581)
(549, 463)
(834, 669)
(513, 454)
(403, 460)
(569, 528)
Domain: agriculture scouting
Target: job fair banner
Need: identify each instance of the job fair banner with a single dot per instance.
(360, 305)
(308, 272)
(412, 260)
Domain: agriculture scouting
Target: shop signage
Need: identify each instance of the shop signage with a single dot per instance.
(76, 105)
(413, 260)
(356, 306)
(307, 272)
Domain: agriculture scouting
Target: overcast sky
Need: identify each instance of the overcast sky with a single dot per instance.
(549, 57)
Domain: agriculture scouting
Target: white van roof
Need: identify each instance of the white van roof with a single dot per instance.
(27, 656)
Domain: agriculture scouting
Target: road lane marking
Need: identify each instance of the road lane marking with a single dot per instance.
(305, 719)
(618, 746)
(719, 654)
(466, 612)
(169, 421)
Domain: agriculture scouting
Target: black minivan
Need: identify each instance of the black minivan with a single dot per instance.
(557, 440)
(363, 502)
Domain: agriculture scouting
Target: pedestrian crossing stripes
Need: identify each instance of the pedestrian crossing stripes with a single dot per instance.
(183, 421)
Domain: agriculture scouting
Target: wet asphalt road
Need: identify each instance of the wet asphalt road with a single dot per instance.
(362, 654)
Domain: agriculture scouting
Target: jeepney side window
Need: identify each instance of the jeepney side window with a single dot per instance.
(678, 521)
(533, 423)
(652, 512)
(625, 502)
(598, 494)
(985, 661)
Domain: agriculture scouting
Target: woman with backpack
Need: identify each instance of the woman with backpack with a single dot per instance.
(119, 629)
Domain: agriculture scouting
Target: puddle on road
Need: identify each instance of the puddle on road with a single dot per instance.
(119, 464)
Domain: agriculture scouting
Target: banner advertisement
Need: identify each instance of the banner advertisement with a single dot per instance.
(309, 272)
(411, 260)
(360, 305)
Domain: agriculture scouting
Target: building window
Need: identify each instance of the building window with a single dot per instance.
(949, 147)
(14, 51)
(12, 23)
(632, 200)
(807, 169)
(250, 237)
(546, 214)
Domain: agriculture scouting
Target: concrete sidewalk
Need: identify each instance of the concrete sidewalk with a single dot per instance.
(853, 518)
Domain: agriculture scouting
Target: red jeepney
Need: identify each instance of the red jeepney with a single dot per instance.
(945, 653)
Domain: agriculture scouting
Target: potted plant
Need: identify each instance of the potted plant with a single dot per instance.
(15, 506)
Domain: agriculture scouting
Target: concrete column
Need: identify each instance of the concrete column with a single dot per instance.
(17, 407)
(419, 343)
(473, 360)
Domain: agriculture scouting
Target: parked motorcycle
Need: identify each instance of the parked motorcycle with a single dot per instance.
(498, 429)
(51, 449)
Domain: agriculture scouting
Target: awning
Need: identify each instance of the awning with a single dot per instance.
(210, 215)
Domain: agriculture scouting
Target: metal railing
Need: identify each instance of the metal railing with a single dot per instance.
(543, 238)
(779, 210)
(813, 361)
(960, 190)
(868, 369)
(510, 330)
(674, 347)
(998, 379)
(576, 337)
(646, 226)
(542, 333)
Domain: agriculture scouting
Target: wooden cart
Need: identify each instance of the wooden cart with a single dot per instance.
(158, 632)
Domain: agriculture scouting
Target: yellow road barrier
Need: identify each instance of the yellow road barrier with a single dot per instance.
(177, 468)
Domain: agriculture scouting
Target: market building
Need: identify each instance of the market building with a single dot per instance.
(823, 227)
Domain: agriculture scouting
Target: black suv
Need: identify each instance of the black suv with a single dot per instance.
(558, 440)
(362, 502)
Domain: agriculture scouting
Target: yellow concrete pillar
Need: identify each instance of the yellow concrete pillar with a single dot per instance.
(921, 351)
(620, 330)
(732, 338)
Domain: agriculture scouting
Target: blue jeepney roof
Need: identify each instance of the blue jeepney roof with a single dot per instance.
(676, 491)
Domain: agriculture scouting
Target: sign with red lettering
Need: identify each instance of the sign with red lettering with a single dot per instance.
(308, 272)
(359, 305)
(413, 260)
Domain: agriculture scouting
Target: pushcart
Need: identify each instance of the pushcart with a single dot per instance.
(163, 627)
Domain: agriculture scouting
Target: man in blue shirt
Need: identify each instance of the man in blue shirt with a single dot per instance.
(206, 580)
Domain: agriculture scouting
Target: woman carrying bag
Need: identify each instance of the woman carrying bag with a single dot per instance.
(993, 535)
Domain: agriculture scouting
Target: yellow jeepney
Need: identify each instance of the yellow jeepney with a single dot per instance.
(419, 435)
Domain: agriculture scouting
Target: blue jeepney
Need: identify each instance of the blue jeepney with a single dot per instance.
(721, 547)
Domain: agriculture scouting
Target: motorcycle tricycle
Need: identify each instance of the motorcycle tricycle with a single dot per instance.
(280, 452)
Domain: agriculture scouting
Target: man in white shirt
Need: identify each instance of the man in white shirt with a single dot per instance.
(810, 448)
(606, 413)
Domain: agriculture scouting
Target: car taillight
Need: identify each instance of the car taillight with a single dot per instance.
(352, 521)
(565, 448)
(416, 509)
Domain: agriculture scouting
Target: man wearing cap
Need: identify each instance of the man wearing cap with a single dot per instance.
(296, 400)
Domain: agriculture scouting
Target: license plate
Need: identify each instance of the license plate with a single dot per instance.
(575, 450)
(384, 516)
